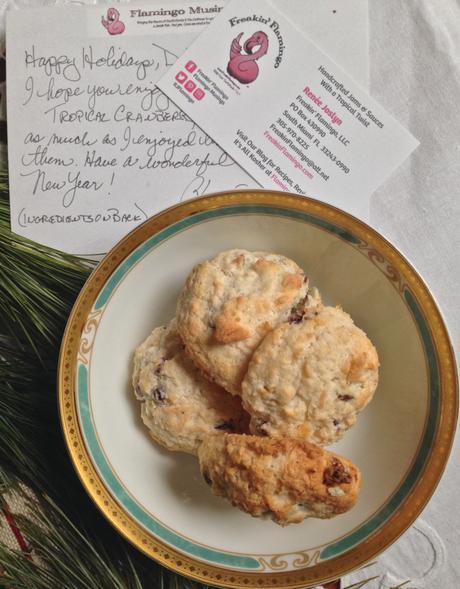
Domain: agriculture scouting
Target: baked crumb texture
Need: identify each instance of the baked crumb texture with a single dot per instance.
(178, 405)
(230, 303)
(310, 379)
(286, 480)
(255, 375)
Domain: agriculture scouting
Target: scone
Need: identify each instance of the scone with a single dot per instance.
(284, 479)
(310, 380)
(230, 303)
(178, 405)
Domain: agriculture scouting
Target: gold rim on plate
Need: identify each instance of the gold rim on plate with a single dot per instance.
(197, 569)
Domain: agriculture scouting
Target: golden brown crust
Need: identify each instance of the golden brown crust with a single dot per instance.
(285, 479)
(309, 379)
(229, 303)
(178, 405)
(229, 327)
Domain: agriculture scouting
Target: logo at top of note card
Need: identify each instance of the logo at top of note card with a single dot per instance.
(112, 22)
(243, 60)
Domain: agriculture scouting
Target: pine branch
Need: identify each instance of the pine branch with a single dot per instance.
(63, 556)
(76, 546)
(24, 416)
(73, 547)
(32, 453)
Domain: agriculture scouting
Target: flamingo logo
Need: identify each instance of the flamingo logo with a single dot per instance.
(113, 24)
(243, 66)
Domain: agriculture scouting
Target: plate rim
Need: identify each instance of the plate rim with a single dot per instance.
(219, 574)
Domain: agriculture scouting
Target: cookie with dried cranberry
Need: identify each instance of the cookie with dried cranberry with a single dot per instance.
(230, 303)
(178, 405)
(284, 479)
(310, 379)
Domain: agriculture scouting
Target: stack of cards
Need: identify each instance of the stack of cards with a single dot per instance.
(125, 111)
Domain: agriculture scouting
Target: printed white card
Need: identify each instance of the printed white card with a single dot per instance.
(95, 147)
(282, 109)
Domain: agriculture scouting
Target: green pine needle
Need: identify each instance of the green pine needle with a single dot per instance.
(38, 286)
(63, 556)
(75, 546)
(29, 428)
(72, 545)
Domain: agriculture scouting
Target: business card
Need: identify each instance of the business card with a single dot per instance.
(284, 111)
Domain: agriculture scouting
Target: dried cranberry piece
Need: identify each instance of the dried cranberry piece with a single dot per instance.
(225, 426)
(160, 396)
(336, 474)
(259, 425)
(297, 313)
(296, 318)
(346, 397)
(159, 367)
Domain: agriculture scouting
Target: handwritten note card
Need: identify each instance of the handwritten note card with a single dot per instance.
(285, 111)
(95, 148)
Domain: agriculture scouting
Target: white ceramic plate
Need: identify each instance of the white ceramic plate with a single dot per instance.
(157, 499)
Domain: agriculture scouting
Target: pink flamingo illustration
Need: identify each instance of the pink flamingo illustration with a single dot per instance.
(243, 67)
(113, 25)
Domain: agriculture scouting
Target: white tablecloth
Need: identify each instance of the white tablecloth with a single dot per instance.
(415, 74)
